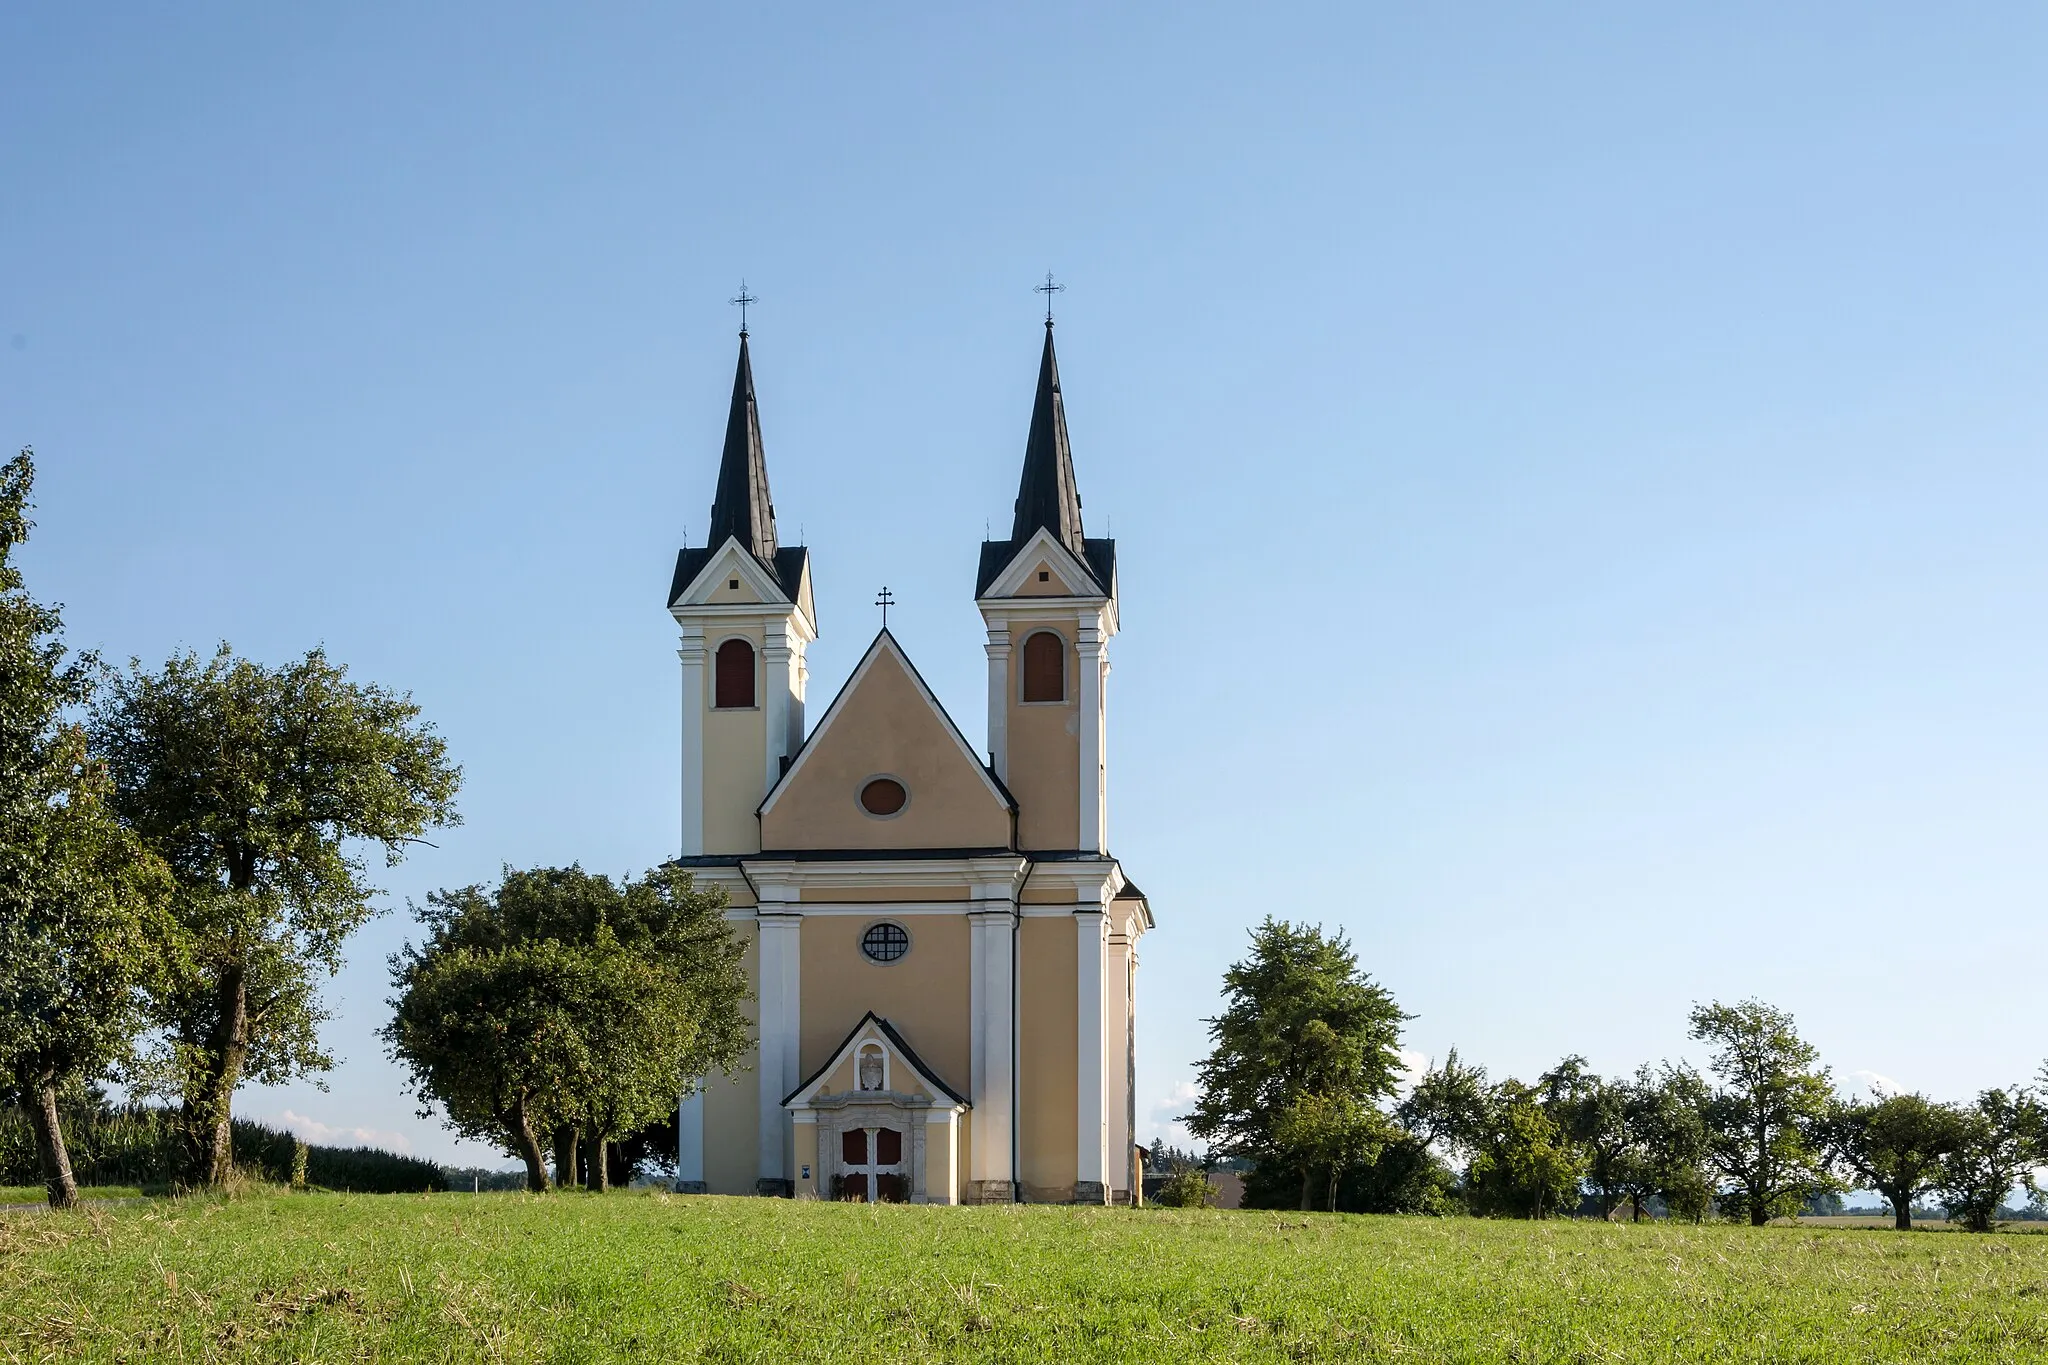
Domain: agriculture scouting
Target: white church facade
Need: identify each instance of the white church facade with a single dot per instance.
(942, 947)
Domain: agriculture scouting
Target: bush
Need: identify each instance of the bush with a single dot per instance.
(1187, 1188)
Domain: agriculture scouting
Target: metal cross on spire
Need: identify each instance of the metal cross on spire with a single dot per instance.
(885, 600)
(743, 298)
(1049, 289)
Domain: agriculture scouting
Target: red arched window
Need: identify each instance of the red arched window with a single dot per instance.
(1045, 667)
(734, 681)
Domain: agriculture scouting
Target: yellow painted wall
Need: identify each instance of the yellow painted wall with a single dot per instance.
(1048, 1037)
(732, 1104)
(886, 726)
(855, 895)
(1054, 585)
(735, 748)
(924, 995)
(1045, 757)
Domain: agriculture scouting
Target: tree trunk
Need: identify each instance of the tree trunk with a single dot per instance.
(565, 1157)
(1635, 1208)
(1759, 1210)
(516, 1124)
(600, 1169)
(209, 1104)
(1307, 1188)
(1902, 1212)
(55, 1161)
(1333, 1188)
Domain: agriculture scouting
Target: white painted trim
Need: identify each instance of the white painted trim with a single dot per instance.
(690, 1136)
(883, 641)
(1118, 1055)
(692, 654)
(781, 1000)
(1089, 648)
(992, 1009)
(732, 561)
(778, 684)
(1091, 1126)
(998, 650)
(1043, 544)
(869, 1033)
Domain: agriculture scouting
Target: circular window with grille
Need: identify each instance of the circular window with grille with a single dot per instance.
(885, 942)
(883, 796)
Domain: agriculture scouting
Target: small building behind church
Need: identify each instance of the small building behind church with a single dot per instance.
(942, 947)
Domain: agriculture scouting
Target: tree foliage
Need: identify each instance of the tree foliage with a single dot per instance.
(1764, 1119)
(1998, 1143)
(562, 999)
(77, 897)
(1896, 1145)
(260, 788)
(1299, 1021)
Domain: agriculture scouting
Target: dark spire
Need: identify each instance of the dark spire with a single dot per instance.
(743, 508)
(1046, 497)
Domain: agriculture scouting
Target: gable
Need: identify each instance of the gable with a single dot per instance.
(728, 575)
(904, 1073)
(886, 723)
(1042, 553)
(1046, 580)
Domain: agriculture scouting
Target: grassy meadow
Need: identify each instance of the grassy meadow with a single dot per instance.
(638, 1276)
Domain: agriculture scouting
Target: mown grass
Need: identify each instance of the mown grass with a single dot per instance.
(36, 1194)
(652, 1277)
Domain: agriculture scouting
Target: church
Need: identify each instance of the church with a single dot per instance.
(942, 948)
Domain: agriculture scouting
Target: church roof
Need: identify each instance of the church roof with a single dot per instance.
(742, 508)
(1047, 497)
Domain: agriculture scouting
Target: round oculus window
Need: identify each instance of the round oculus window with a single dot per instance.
(883, 796)
(885, 942)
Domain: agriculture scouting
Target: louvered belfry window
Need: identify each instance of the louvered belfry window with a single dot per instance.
(733, 684)
(1045, 667)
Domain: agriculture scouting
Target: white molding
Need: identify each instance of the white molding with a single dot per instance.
(1043, 544)
(693, 657)
(690, 1136)
(883, 641)
(990, 875)
(1091, 1126)
(732, 561)
(1093, 776)
(1119, 1050)
(781, 1005)
(998, 650)
(992, 1011)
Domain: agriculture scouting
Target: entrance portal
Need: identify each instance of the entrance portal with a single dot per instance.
(871, 1167)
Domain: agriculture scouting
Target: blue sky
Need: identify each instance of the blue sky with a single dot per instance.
(1578, 474)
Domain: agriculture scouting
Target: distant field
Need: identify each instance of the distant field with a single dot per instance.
(1863, 1220)
(634, 1277)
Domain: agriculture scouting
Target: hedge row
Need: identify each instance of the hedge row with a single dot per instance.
(138, 1145)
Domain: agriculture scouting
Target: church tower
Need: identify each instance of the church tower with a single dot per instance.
(744, 605)
(1048, 598)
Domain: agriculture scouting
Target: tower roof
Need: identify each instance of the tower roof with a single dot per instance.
(1046, 496)
(743, 508)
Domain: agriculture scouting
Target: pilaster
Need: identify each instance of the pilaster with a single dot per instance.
(692, 654)
(1089, 646)
(690, 1144)
(998, 648)
(992, 1008)
(781, 1002)
(1091, 1175)
(779, 683)
(1118, 1061)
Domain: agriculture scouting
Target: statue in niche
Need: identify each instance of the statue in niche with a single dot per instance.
(870, 1069)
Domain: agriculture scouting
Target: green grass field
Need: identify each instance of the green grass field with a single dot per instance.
(634, 1277)
(36, 1194)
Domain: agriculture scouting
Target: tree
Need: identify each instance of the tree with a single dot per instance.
(2001, 1138)
(1299, 1019)
(1896, 1146)
(642, 1000)
(1593, 1114)
(1332, 1133)
(76, 896)
(1763, 1119)
(1448, 1107)
(259, 788)
(1665, 1112)
(1524, 1163)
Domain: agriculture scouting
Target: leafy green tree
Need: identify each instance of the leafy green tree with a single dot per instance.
(1299, 1019)
(2002, 1137)
(1896, 1145)
(1764, 1118)
(260, 789)
(1449, 1107)
(642, 1001)
(1665, 1114)
(1187, 1188)
(1525, 1164)
(1330, 1133)
(76, 896)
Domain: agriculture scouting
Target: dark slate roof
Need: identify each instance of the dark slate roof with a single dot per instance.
(1046, 495)
(909, 1055)
(787, 568)
(743, 508)
(1099, 558)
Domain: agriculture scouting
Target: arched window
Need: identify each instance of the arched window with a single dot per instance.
(734, 683)
(1045, 667)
